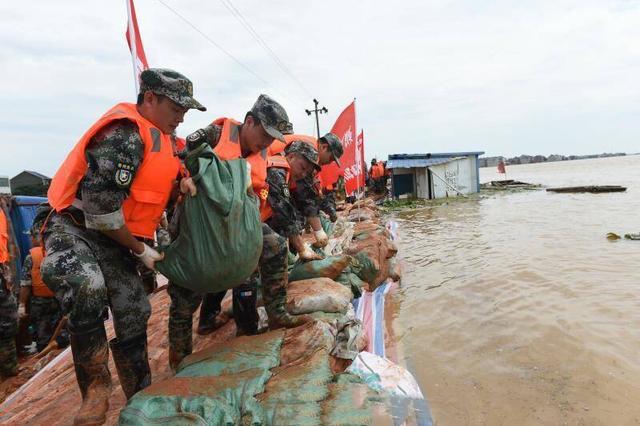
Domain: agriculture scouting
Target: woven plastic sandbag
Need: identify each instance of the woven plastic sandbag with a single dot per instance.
(294, 393)
(317, 295)
(351, 402)
(329, 267)
(220, 234)
(220, 400)
(237, 355)
(351, 281)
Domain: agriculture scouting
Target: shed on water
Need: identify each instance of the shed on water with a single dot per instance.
(434, 175)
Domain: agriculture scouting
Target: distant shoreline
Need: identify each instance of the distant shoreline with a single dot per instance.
(531, 159)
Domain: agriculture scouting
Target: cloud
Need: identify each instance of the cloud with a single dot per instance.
(503, 77)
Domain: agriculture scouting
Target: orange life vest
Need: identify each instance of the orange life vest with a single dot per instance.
(228, 148)
(38, 287)
(278, 147)
(4, 238)
(152, 184)
(377, 171)
(280, 162)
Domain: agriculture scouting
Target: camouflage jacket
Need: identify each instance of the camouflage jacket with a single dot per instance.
(25, 280)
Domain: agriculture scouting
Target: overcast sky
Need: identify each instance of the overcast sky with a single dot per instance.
(504, 77)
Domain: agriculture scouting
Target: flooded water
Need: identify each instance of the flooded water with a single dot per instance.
(516, 310)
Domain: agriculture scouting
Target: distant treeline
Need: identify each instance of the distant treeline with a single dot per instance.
(527, 159)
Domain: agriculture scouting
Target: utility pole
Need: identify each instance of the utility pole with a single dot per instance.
(317, 111)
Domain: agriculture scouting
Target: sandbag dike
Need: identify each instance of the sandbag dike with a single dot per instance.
(281, 377)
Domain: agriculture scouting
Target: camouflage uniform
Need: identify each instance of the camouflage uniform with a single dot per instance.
(8, 328)
(87, 270)
(44, 312)
(84, 268)
(272, 265)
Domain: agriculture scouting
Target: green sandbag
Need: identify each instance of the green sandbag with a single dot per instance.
(329, 267)
(327, 225)
(240, 354)
(352, 281)
(350, 402)
(218, 400)
(364, 268)
(294, 393)
(220, 237)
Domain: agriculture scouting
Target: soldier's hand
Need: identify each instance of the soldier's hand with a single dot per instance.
(187, 185)
(321, 239)
(333, 217)
(149, 256)
(308, 254)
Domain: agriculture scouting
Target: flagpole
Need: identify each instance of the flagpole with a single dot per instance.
(132, 46)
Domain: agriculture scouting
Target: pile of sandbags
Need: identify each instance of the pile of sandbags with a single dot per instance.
(283, 377)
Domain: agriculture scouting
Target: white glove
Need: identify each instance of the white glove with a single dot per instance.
(321, 238)
(308, 254)
(149, 256)
(22, 311)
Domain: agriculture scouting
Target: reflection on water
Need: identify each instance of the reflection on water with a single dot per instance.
(515, 307)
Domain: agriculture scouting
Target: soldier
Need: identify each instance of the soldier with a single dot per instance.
(8, 306)
(108, 195)
(298, 161)
(230, 139)
(309, 194)
(37, 301)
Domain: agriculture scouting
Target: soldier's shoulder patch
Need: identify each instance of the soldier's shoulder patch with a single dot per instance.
(285, 191)
(124, 175)
(264, 193)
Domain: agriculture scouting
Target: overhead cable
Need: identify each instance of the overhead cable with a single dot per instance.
(223, 50)
(240, 18)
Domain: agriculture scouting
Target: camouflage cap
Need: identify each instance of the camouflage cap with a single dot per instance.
(273, 117)
(306, 150)
(171, 84)
(335, 146)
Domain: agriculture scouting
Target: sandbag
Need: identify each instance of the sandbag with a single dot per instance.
(215, 400)
(352, 282)
(329, 267)
(302, 341)
(317, 295)
(240, 354)
(220, 235)
(351, 402)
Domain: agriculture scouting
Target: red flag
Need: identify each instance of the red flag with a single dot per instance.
(135, 45)
(344, 129)
(501, 167)
(360, 159)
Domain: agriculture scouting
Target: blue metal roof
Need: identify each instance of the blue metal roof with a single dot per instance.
(397, 161)
(407, 163)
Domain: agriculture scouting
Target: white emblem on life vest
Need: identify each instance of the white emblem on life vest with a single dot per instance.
(123, 178)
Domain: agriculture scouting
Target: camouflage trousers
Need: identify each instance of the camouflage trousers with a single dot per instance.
(273, 275)
(8, 331)
(45, 315)
(88, 271)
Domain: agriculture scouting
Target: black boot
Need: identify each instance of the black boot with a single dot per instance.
(245, 311)
(132, 362)
(90, 359)
(209, 311)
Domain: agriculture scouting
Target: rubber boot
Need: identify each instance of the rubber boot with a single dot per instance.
(90, 358)
(132, 363)
(209, 312)
(8, 357)
(245, 310)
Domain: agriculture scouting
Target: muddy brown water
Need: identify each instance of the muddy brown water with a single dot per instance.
(516, 310)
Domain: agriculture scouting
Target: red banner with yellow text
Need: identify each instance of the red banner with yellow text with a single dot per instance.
(345, 130)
